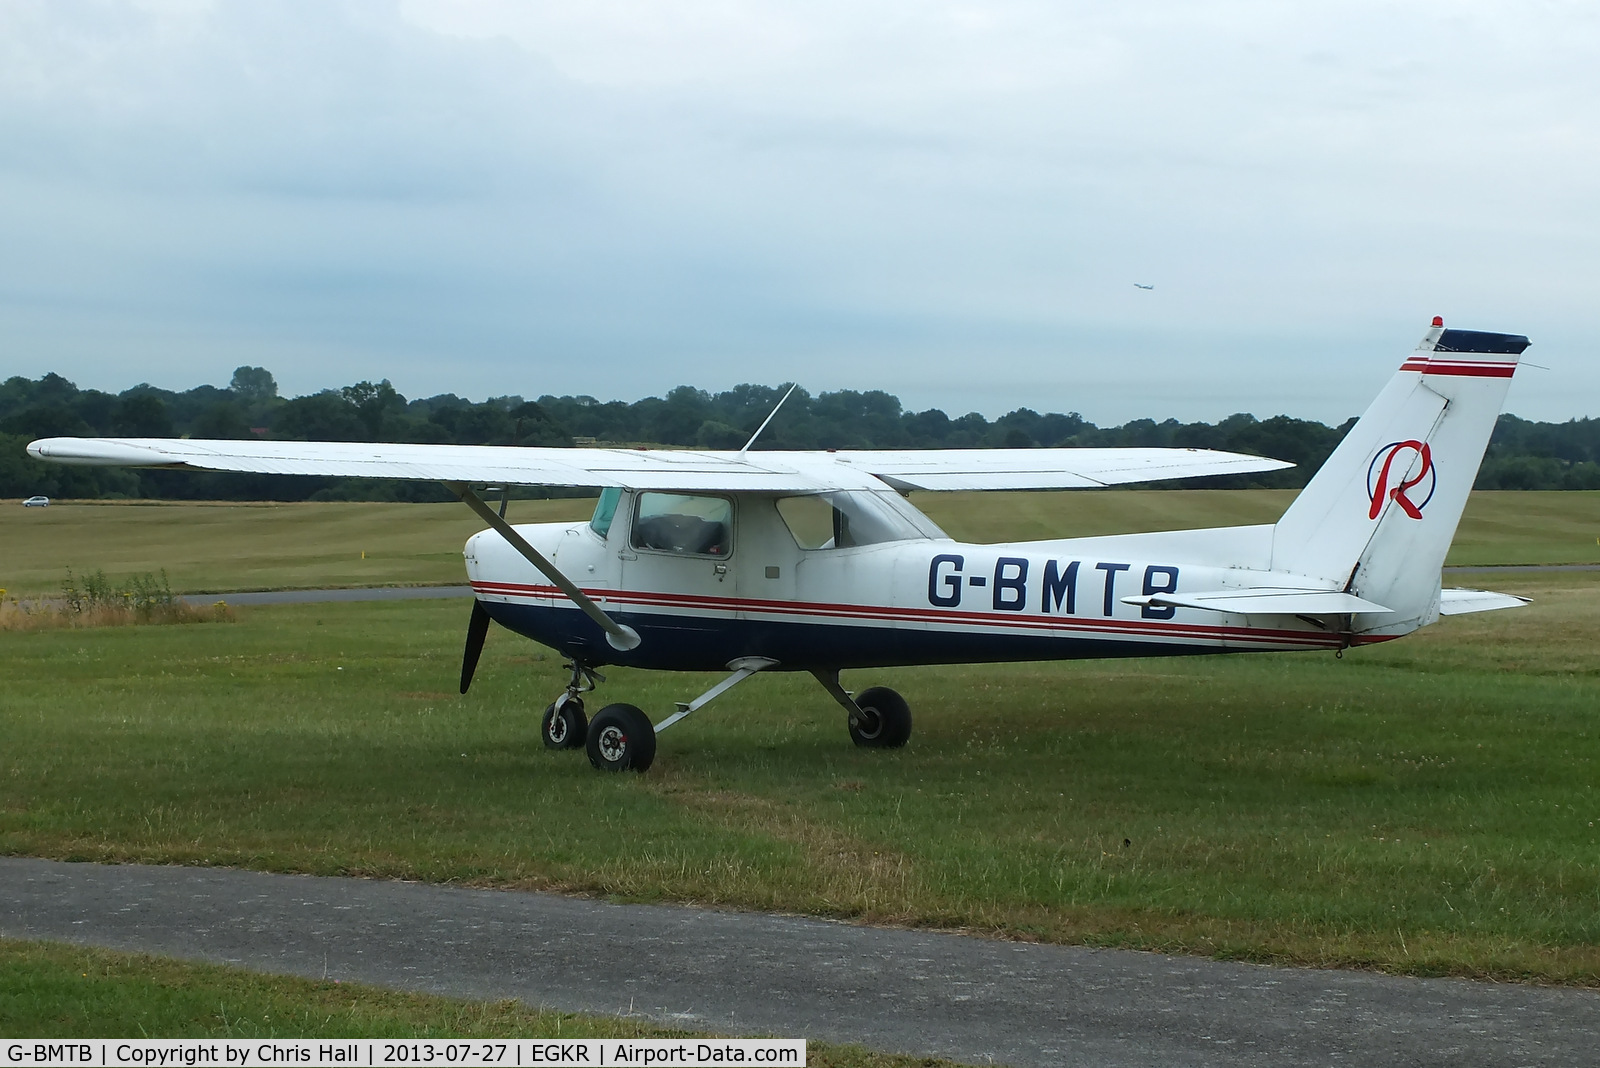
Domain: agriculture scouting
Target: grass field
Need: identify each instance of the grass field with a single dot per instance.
(57, 991)
(225, 547)
(1428, 806)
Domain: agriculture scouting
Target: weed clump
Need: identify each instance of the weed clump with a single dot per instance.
(95, 600)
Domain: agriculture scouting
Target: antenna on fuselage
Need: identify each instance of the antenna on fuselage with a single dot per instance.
(768, 419)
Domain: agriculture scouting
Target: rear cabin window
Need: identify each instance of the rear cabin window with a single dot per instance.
(847, 519)
(683, 523)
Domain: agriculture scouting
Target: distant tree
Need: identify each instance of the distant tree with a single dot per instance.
(967, 431)
(96, 409)
(476, 424)
(374, 404)
(221, 420)
(928, 429)
(141, 415)
(324, 416)
(253, 385)
(16, 392)
(532, 425)
(1521, 473)
(45, 421)
(676, 419)
(1521, 454)
(52, 388)
(1581, 476)
(1019, 429)
(1055, 429)
(20, 474)
(717, 435)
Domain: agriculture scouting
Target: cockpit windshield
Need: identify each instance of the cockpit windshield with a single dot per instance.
(849, 518)
(605, 510)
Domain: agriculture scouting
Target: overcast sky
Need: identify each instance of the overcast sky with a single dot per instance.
(949, 201)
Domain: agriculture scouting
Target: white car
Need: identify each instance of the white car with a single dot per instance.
(36, 502)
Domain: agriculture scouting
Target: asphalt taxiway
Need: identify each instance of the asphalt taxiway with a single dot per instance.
(970, 999)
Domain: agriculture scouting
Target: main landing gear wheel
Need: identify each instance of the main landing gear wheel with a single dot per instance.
(885, 720)
(566, 727)
(621, 738)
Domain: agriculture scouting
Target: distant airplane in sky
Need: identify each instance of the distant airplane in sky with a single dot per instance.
(1141, 285)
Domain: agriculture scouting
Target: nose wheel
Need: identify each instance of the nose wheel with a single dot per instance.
(564, 725)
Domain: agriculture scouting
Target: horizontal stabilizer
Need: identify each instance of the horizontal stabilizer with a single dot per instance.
(1461, 602)
(1271, 601)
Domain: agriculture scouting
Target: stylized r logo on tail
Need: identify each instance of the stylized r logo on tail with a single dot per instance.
(1378, 478)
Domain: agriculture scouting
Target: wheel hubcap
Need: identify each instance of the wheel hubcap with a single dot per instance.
(558, 728)
(613, 744)
(870, 725)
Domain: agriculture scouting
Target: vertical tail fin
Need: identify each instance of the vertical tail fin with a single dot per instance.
(1380, 514)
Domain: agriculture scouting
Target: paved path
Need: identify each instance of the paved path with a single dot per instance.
(1490, 568)
(366, 593)
(969, 999)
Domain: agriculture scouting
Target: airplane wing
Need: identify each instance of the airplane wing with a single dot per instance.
(668, 469)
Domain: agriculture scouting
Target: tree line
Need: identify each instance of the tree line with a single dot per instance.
(1522, 454)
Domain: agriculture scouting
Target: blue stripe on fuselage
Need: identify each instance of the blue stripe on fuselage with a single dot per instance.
(708, 643)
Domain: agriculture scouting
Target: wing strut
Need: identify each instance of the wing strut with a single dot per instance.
(620, 636)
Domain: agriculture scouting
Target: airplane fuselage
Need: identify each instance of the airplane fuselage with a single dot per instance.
(921, 600)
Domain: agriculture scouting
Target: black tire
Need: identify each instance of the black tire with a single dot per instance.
(885, 720)
(566, 729)
(621, 738)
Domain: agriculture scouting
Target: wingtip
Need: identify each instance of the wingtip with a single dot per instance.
(89, 452)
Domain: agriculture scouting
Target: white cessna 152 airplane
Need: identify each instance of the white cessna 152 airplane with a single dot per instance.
(815, 561)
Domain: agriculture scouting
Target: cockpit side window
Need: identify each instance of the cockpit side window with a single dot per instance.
(687, 524)
(605, 510)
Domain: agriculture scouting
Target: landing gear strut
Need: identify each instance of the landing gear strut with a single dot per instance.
(885, 719)
(622, 738)
(564, 725)
(879, 717)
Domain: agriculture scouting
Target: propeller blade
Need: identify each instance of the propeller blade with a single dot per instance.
(477, 630)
